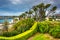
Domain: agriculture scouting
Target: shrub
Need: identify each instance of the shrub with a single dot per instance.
(51, 27)
(55, 32)
(43, 27)
(41, 37)
(24, 21)
(24, 25)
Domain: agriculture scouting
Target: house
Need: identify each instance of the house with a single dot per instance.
(54, 17)
(15, 20)
(57, 16)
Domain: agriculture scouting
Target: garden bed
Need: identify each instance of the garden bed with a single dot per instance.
(22, 36)
(47, 30)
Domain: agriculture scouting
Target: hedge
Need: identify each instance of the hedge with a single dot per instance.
(22, 36)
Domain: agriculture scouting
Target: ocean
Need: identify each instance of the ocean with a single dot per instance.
(3, 20)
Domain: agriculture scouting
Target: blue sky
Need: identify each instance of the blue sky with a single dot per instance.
(16, 7)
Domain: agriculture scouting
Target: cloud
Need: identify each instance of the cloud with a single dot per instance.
(58, 11)
(10, 13)
(16, 1)
(15, 7)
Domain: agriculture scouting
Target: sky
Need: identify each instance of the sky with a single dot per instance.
(17, 7)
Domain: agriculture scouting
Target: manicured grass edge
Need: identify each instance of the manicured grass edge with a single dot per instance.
(22, 36)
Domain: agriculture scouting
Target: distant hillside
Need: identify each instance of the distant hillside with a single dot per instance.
(7, 17)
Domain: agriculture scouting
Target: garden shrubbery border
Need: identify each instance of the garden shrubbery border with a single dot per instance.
(22, 36)
(33, 29)
(51, 27)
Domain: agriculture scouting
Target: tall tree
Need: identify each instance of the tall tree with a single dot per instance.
(23, 15)
(52, 11)
(36, 13)
(29, 13)
(42, 8)
(40, 11)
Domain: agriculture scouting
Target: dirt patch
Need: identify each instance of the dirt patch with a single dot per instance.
(47, 35)
(33, 36)
(51, 37)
